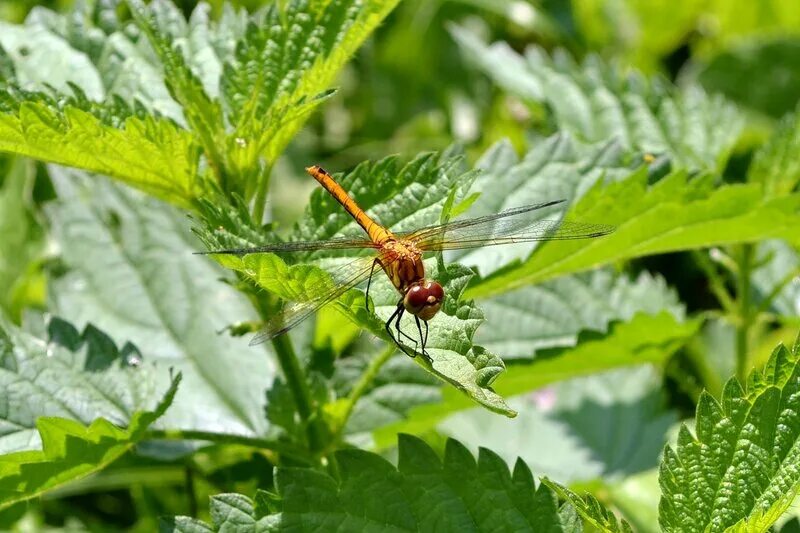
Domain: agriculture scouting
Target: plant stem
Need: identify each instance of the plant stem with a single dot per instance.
(359, 389)
(298, 384)
(743, 323)
(225, 438)
(366, 380)
(260, 200)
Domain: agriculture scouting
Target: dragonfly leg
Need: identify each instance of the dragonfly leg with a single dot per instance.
(423, 338)
(396, 316)
(377, 261)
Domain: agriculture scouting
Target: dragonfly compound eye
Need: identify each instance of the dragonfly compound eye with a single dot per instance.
(424, 299)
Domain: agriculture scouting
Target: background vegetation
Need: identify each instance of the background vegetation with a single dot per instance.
(635, 381)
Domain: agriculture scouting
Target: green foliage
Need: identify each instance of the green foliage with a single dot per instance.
(675, 213)
(773, 62)
(283, 64)
(128, 269)
(83, 380)
(596, 103)
(644, 339)
(202, 106)
(522, 322)
(739, 468)
(591, 510)
(422, 493)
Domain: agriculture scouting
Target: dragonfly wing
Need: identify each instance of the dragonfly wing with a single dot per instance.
(343, 243)
(520, 224)
(325, 291)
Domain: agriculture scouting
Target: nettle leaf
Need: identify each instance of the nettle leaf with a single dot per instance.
(592, 511)
(285, 64)
(81, 376)
(129, 270)
(84, 392)
(229, 512)
(423, 493)
(558, 168)
(406, 197)
(675, 213)
(150, 153)
(774, 163)
(596, 102)
(126, 114)
(602, 426)
(740, 467)
(643, 339)
(552, 314)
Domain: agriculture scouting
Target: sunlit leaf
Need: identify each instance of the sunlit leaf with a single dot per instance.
(739, 466)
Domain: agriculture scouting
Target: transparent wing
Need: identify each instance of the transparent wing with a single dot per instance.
(299, 246)
(512, 226)
(325, 291)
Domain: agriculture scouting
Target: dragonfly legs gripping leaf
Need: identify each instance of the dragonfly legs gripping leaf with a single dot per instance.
(396, 316)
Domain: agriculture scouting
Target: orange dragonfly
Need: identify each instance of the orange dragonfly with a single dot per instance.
(400, 257)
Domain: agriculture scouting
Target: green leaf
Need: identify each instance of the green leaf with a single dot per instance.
(557, 168)
(152, 154)
(229, 512)
(774, 163)
(402, 198)
(608, 425)
(644, 339)
(285, 65)
(130, 271)
(774, 62)
(72, 450)
(739, 468)
(524, 321)
(20, 240)
(423, 493)
(592, 511)
(596, 102)
(675, 213)
(243, 86)
(80, 376)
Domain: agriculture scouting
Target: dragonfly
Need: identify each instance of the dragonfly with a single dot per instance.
(400, 256)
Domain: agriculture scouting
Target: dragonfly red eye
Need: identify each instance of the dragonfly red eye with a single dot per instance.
(424, 299)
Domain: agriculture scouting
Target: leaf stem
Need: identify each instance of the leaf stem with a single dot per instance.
(361, 386)
(743, 323)
(298, 384)
(716, 283)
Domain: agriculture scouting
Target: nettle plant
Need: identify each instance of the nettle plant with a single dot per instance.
(191, 117)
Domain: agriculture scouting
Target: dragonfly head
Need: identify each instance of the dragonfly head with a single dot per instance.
(423, 299)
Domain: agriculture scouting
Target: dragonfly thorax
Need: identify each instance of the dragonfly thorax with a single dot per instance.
(424, 299)
(402, 262)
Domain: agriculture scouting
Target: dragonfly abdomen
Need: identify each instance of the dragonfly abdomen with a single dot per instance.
(377, 233)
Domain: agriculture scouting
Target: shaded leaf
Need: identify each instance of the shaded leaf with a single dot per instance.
(72, 450)
(130, 271)
(596, 102)
(80, 376)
